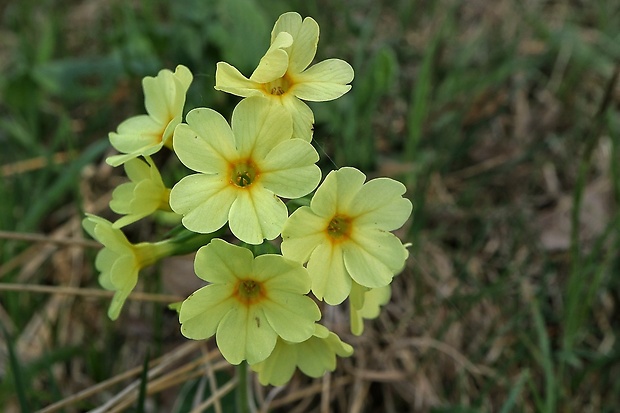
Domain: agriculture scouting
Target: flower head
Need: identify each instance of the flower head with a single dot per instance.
(142, 196)
(344, 233)
(164, 98)
(242, 171)
(314, 357)
(249, 303)
(365, 303)
(283, 75)
(120, 261)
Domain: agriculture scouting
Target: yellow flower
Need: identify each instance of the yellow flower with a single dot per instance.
(344, 233)
(283, 75)
(145, 194)
(314, 357)
(242, 171)
(120, 261)
(164, 98)
(365, 303)
(249, 303)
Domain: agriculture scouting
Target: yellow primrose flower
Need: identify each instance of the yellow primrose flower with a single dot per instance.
(120, 261)
(283, 75)
(344, 233)
(365, 303)
(314, 357)
(249, 303)
(142, 196)
(164, 98)
(242, 171)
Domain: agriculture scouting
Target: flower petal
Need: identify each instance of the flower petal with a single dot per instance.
(206, 143)
(274, 63)
(138, 135)
(245, 334)
(164, 95)
(110, 237)
(336, 192)
(229, 79)
(326, 80)
(289, 22)
(302, 233)
(330, 280)
(305, 42)
(366, 303)
(258, 126)
(123, 277)
(380, 203)
(201, 312)
(221, 262)
(137, 170)
(305, 39)
(279, 273)
(373, 257)
(303, 117)
(289, 170)
(121, 197)
(257, 214)
(291, 315)
(203, 200)
(278, 369)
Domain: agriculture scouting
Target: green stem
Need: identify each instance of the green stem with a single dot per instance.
(188, 241)
(242, 395)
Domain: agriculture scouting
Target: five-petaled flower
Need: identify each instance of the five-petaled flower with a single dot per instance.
(142, 196)
(283, 75)
(344, 233)
(120, 261)
(249, 303)
(242, 171)
(314, 357)
(164, 98)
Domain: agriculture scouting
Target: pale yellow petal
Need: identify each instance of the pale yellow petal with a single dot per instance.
(206, 143)
(203, 200)
(336, 192)
(245, 334)
(164, 95)
(201, 312)
(291, 315)
(229, 79)
(303, 117)
(330, 280)
(289, 170)
(302, 233)
(373, 257)
(326, 80)
(278, 273)
(305, 42)
(257, 214)
(258, 126)
(289, 22)
(223, 263)
(274, 63)
(279, 367)
(379, 203)
(137, 170)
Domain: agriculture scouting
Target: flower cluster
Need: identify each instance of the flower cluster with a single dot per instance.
(262, 308)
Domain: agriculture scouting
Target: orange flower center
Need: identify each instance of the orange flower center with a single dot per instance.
(339, 228)
(249, 292)
(243, 173)
(278, 87)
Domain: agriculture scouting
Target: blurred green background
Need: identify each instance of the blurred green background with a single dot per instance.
(501, 118)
